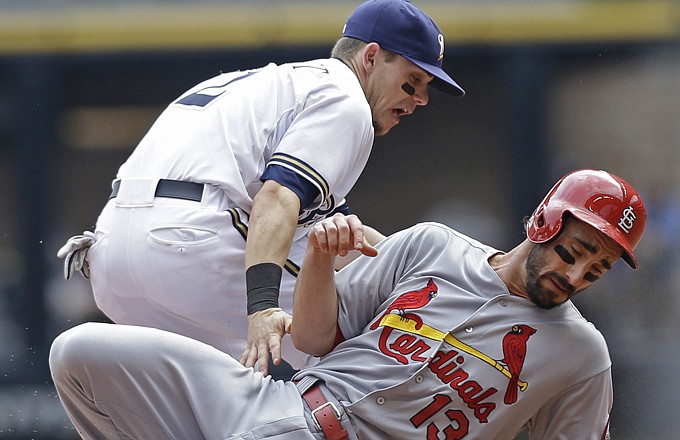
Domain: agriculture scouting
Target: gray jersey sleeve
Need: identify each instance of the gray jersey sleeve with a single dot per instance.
(580, 412)
(364, 287)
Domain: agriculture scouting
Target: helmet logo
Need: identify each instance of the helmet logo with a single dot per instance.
(627, 219)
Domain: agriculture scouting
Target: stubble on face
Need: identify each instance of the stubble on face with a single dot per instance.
(539, 295)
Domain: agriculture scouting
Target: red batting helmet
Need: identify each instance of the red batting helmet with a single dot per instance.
(601, 199)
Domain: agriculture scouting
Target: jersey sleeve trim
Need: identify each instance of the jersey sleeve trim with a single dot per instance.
(306, 191)
(304, 169)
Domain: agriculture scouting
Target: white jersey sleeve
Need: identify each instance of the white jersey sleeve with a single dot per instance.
(326, 139)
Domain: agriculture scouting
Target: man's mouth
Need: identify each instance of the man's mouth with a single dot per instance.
(398, 112)
(561, 286)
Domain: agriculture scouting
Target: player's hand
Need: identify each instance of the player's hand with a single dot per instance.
(338, 235)
(266, 329)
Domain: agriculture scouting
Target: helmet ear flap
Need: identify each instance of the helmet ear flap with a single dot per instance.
(540, 220)
(538, 226)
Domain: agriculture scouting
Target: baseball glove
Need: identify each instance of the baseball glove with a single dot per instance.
(74, 253)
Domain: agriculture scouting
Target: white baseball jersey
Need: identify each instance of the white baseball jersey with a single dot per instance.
(311, 118)
(437, 347)
(179, 265)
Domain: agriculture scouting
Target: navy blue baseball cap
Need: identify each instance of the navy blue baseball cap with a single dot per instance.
(402, 28)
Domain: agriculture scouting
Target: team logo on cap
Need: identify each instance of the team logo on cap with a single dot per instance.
(627, 219)
(440, 37)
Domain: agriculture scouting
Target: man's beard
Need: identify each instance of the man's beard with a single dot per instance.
(539, 295)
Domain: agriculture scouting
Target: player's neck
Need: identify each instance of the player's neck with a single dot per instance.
(355, 66)
(510, 268)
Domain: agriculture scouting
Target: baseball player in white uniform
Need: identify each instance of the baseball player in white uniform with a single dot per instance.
(438, 336)
(234, 173)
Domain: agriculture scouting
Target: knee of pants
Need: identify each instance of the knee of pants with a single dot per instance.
(71, 350)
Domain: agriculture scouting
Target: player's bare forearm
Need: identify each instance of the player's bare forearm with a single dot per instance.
(315, 301)
(315, 304)
(272, 224)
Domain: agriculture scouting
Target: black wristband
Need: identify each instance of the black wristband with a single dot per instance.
(263, 281)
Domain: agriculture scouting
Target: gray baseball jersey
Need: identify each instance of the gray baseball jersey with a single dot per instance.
(436, 347)
(179, 265)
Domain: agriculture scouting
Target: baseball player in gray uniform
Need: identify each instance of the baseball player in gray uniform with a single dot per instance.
(208, 217)
(438, 336)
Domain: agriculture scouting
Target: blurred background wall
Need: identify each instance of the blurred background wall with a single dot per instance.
(551, 86)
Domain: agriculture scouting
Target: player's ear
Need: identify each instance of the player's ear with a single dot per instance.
(369, 56)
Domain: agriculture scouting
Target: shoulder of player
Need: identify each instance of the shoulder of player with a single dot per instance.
(445, 234)
(320, 66)
(327, 78)
(568, 328)
(422, 230)
(434, 240)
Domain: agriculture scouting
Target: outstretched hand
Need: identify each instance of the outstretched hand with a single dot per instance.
(266, 329)
(340, 234)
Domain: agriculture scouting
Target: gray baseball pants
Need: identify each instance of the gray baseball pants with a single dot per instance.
(125, 382)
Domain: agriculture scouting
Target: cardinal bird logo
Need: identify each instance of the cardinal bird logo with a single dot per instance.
(414, 299)
(514, 352)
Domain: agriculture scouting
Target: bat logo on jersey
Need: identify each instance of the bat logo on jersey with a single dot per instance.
(410, 344)
(514, 352)
(414, 299)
